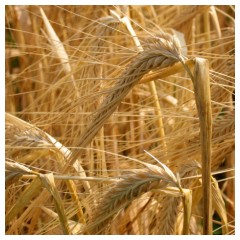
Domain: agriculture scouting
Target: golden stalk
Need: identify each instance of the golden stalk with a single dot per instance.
(203, 100)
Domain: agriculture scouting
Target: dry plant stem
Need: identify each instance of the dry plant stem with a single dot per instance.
(163, 73)
(193, 33)
(31, 191)
(59, 50)
(158, 111)
(215, 20)
(125, 20)
(49, 183)
(219, 205)
(187, 209)
(207, 29)
(103, 166)
(132, 125)
(162, 54)
(115, 147)
(67, 177)
(203, 100)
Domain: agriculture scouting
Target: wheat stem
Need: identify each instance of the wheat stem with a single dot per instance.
(203, 101)
(206, 25)
(59, 50)
(166, 72)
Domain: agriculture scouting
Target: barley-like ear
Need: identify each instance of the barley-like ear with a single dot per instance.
(163, 53)
(125, 190)
(167, 213)
(125, 20)
(16, 167)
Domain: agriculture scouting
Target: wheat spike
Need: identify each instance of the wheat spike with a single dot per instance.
(163, 53)
(125, 190)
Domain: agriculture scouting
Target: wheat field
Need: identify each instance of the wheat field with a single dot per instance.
(119, 120)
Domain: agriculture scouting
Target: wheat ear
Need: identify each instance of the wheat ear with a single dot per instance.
(125, 190)
(163, 53)
(125, 20)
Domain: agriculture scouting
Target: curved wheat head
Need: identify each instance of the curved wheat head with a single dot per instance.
(164, 52)
(125, 190)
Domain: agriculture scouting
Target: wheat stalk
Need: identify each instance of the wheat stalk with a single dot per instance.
(186, 14)
(59, 49)
(49, 183)
(203, 102)
(74, 227)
